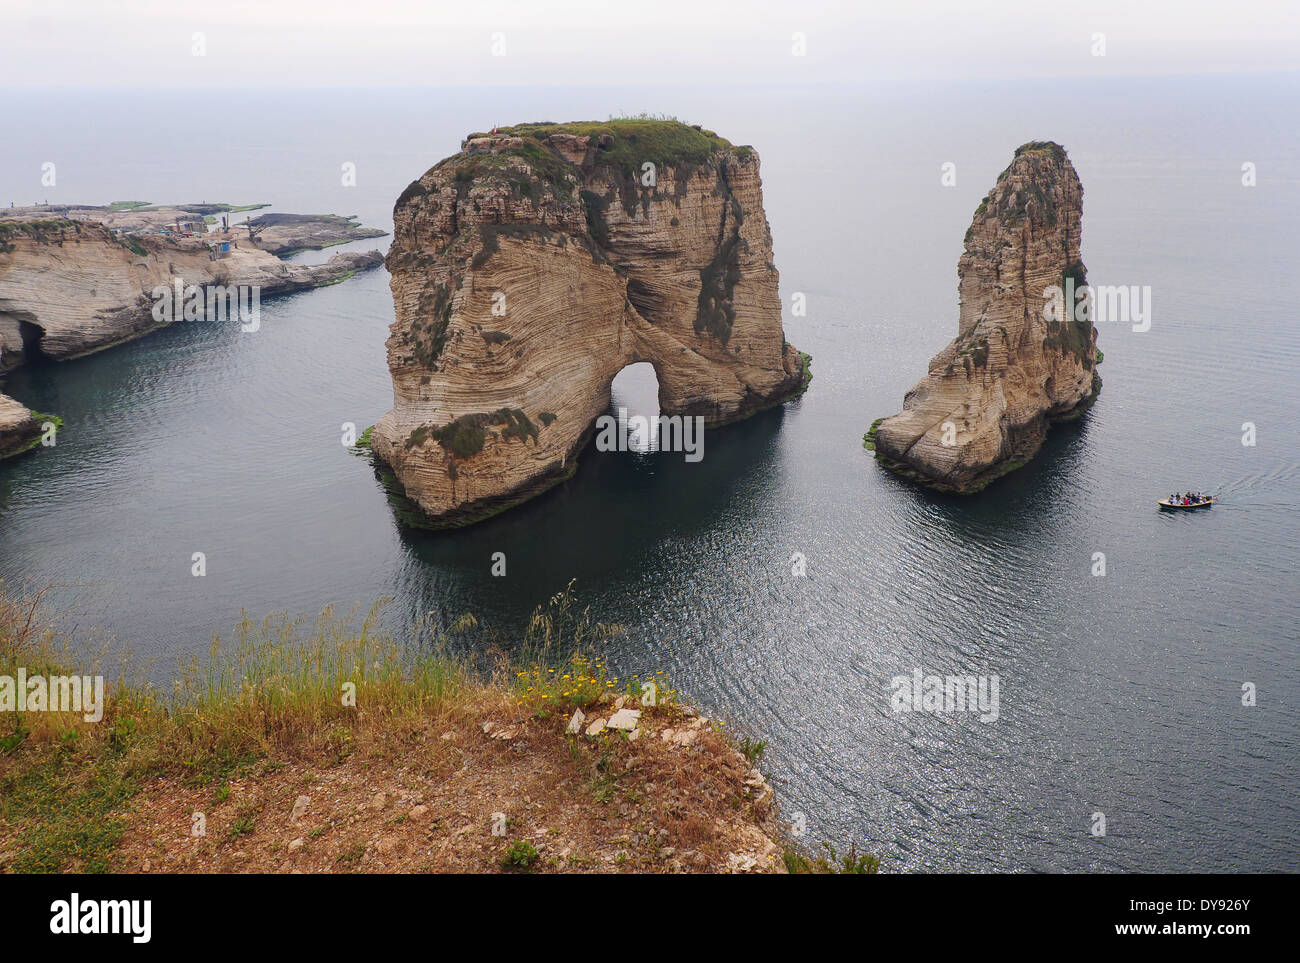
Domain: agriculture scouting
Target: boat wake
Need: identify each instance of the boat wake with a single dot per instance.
(1262, 489)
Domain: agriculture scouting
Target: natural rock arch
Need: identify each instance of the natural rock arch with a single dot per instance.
(634, 393)
(535, 265)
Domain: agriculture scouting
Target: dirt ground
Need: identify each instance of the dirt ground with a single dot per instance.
(490, 789)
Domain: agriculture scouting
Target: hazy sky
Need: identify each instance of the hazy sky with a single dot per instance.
(310, 43)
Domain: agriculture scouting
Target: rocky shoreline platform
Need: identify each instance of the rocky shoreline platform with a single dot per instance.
(77, 279)
(285, 234)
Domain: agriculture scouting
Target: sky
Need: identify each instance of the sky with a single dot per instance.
(331, 43)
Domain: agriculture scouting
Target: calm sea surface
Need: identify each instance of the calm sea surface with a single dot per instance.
(1119, 694)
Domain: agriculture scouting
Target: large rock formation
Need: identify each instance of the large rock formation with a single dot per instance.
(70, 287)
(534, 265)
(1016, 364)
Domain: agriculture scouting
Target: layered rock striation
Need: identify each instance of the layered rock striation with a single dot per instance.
(1022, 359)
(538, 262)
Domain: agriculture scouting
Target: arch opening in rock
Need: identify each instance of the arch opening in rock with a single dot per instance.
(20, 340)
(634, 395)
(31, 335)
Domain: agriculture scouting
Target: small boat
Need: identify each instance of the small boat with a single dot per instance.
(1179, 506)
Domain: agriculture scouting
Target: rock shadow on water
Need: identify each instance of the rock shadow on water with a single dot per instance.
(617, 507)
(1041, 497)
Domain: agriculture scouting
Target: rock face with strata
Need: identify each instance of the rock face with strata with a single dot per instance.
(537, 263)
(1017, 364)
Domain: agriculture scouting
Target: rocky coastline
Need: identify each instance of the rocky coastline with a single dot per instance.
(75, 280)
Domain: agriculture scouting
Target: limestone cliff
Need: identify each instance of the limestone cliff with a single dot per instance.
(534, 265)
(985, 405)
(71, 287)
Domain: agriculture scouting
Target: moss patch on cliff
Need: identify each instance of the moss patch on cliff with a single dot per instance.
(428, 330)
(973, 353)
(1072, 335)
(466, 436)
(594, 207)
(41, 420)
(807, 377)
(413, 190)
(463, 437)
(869, 439)
(490, 235)
(715, 312)
(363, 446)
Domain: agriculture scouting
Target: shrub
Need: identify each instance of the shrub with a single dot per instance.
(521, 855)
(828, 862)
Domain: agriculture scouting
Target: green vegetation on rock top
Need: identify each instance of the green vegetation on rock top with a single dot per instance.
(633, 140)
(1041, 147)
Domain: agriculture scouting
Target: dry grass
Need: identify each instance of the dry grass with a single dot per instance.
(411, 762)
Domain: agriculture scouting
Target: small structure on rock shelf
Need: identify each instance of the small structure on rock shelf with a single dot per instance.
(220, 245)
